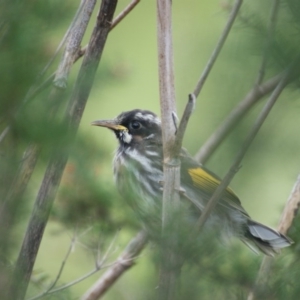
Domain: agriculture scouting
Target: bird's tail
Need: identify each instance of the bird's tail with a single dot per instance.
(266, 239)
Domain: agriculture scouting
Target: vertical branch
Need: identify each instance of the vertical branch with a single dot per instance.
(168, 271)
(57, 163)
(166, 74)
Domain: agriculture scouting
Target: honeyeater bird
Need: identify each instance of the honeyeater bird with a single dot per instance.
(138, 171)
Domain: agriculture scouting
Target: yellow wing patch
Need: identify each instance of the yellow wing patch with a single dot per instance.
(206, 181)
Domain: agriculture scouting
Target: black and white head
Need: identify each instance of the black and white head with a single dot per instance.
(134, 128)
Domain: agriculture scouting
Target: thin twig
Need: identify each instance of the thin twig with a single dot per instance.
(53, 284)
(34, 91)
(4, 133)
(73, 37)
(21, 179)
(73, 241)
(123, 263)
(81, 52)
(257, 93)
(74, 282)
(57, 163)
(124, 13)
(62, 42)
(268, 41)
(129, 261)
(235, 166)
(98, 267)
(287, 217)
(73, 43)
(189, 108)
(108, 251)
(218, 48)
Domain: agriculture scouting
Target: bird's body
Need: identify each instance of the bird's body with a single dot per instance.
(138, 170)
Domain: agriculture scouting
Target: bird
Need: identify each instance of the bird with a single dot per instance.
(138, 172)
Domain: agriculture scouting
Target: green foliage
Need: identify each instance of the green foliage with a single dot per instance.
(282, 50)
(24, 51)
(29, 33)
(87, 197)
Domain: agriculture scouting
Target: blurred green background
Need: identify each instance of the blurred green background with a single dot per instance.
(126, 79)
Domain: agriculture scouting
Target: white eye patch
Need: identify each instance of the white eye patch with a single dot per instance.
(125, 136)
(147, 117)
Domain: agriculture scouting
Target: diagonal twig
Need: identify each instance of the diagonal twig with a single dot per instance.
(53, 284)
(73, 44)
(218, 48)
(123, 263)
(124, 13)
(57, 163)
(82, 51)
(34, 91)
(289, 213)
(66, 36)
(235, 165)
(255, 94)
(189, 108)
(72, 38)
(98, 266)
(268, 41)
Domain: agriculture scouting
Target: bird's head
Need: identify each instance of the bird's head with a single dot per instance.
(134, 127)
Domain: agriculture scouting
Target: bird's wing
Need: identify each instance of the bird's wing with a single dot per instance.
(207, 182)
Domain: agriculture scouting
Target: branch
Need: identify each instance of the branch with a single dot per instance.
(73, 44)
(125, 261)
(289, 213)
(34, 91)
(57, 163)
(257, 93)
(53, 284)
(75, 35)
(235, 166)
(66, 36)
(268, 40)
(124, 13)
(190, 106)
(99, 265)
(218, 48)
(169, 270)
(4, 133)
(81, 52)
(291, 208)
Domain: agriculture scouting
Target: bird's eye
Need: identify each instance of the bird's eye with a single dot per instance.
(135, 125)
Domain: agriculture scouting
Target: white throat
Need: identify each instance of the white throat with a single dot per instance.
(126, 137)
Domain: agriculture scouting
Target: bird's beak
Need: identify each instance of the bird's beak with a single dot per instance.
(111, 124)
